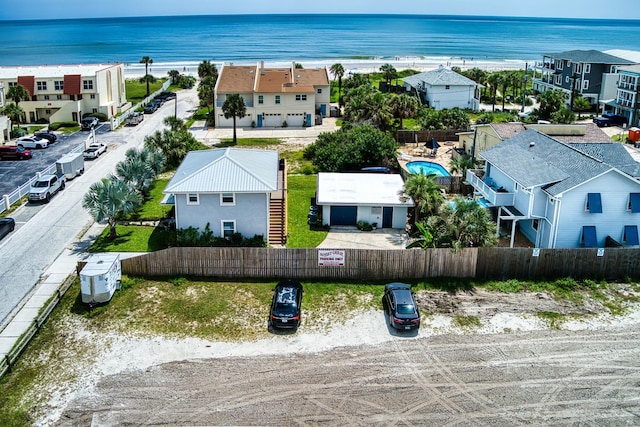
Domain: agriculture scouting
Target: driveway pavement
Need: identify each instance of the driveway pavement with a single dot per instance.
(352, 238)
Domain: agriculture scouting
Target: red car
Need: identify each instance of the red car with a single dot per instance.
(14, 152)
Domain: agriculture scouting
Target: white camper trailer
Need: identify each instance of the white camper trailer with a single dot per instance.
(100, 278)
(70, 165)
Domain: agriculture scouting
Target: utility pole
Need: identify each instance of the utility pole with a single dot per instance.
(573, 89)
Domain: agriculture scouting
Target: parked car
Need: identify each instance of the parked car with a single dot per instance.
(166, 95)
(400, 304)
(32, 142)
(46, 187)
(609, 119)
(49, 136)
(14, 152)
(134, 119)
(94, 150)
(89, 123)
(151, 107)
(286, 305)
(7, 225)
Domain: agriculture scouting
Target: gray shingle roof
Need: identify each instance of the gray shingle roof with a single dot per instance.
(588, 56)
(439, 77)
(613, 154)
(233, 170)
(534, 159)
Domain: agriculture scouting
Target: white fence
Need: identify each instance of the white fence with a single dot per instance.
(117, 121)
(18, 193)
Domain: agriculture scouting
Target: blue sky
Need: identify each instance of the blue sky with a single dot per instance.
(59, 9)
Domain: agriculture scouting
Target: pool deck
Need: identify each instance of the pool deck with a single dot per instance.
(413, 153)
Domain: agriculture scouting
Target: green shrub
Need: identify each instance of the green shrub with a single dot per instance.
(100, 116)
(364, 226)
(58, 125)
(18, 132)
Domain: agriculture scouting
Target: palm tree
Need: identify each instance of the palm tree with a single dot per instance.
(172, 144)
(389, 72)
(18, 93)
(462, 164)
(174, 75)
(404, 106)
(494, 81)
(175, 123)
(207, 69)
(234, 107)
(338, 71)
(146, 61)
(581, 104)
(109, 198)
(14, 112)
(425, 193)
(136, 172)
(470, 225)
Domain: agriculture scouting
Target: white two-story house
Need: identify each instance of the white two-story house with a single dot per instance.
(5, 123)
(274, 97)
(61, 93)
(444, 88)
(562, 195)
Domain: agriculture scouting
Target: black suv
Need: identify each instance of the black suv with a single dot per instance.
(49, 136)
(399, 303)
(285, 306)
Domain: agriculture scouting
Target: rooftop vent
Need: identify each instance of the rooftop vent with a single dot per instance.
(532, 144)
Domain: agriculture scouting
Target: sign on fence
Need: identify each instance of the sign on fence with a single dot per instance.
(330, 258)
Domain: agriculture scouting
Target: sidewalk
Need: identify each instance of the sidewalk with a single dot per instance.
(328, 125)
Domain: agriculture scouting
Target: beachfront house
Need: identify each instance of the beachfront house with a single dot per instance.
(274, 97)
(232, 190)
(346, 198)
(63, 93)
(561, 195)
(627, 101)
(444, 88)
(484, 136)
(588, 73)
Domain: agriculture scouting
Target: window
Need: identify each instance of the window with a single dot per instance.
(41, 85)
(46, 97)
(535, 223)
(578, 68)
(87, 84)
(560, 65)
(260, 99)
(93, 96)
(594, 203)
(301, 97)
(94, 110)
(227, 199)
(319, 90)
(58, 97)
(558, 80)
(228, 228)
(277, 99)
(13, 84)
(589, 238)
(630, 236)
(47, 111)
(193, 199)
(447, 87)
(58, 85)
(634, 203)
(585, 84)
(566, 79)
(587, 68)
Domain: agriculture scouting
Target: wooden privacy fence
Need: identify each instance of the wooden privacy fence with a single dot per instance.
(422, 136)
(368, 264)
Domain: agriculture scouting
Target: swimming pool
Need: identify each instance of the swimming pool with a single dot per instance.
(427, 168)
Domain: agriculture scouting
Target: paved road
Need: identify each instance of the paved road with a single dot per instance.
(540, 378)
(44, 231)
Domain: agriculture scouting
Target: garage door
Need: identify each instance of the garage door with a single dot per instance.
(228, 123)
(344, 215)
(271, 120)
(295, 120)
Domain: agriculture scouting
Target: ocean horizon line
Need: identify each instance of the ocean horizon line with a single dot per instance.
(514, 18)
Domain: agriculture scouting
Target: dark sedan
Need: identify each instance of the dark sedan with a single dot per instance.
(49, 136)
(286, 305)
(7, 225)
(399, 303)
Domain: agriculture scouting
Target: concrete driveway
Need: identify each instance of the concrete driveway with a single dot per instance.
(351, 238)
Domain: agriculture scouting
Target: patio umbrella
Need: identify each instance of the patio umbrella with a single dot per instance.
(432, 144)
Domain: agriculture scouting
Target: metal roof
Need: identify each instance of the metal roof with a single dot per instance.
(234, 170)
(534, 159)
(371, 189)
(440, 77)
(54, 71)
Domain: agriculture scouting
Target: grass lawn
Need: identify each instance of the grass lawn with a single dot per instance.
(301, 189)
(134, 238)
(137, 91)
(152, 210)
(250, 142)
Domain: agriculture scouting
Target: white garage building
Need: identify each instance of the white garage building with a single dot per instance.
(346, 198)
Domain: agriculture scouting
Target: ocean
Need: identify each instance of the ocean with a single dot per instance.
(184, 41)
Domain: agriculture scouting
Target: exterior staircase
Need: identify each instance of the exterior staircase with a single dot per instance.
(278, 209)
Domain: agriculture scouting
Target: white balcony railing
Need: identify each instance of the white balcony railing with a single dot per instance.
(495, 197)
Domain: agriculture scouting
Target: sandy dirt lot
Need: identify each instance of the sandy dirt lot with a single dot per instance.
(509, 369)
